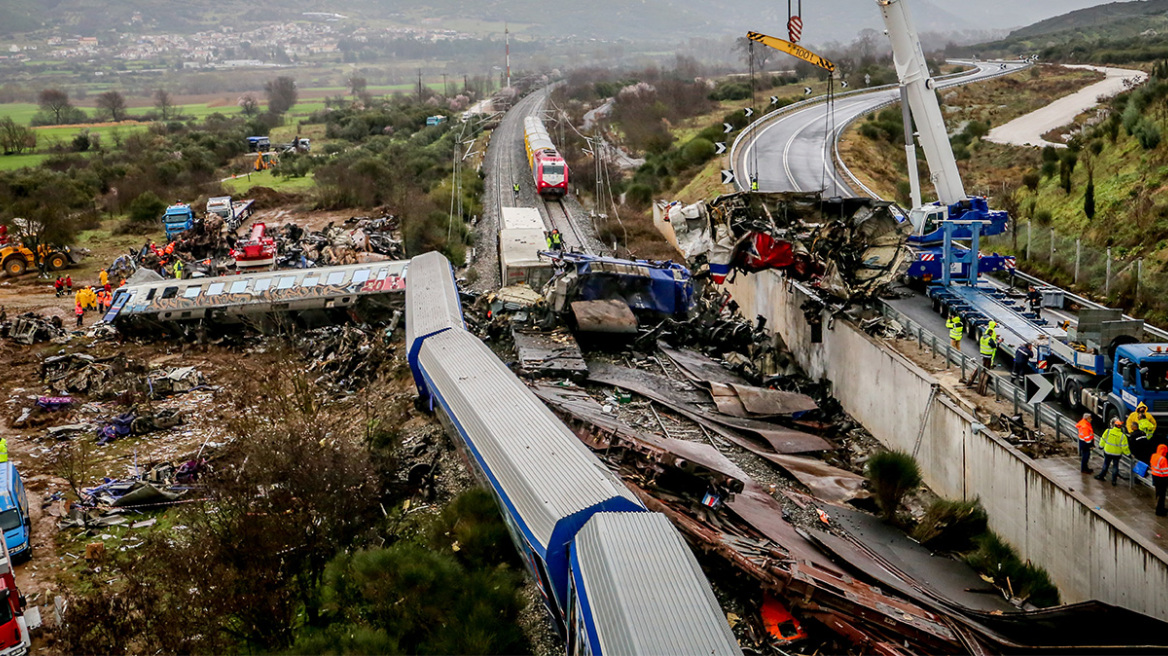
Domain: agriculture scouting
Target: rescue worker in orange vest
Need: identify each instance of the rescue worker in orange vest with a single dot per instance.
(1159, 472)
(80, 312)
(1086, 442)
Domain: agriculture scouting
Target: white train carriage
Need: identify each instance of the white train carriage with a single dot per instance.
(636, 588)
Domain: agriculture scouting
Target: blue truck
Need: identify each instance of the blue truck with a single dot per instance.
(178, 219)
(14, 517)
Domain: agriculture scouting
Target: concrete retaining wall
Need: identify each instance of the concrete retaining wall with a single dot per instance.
(1085, 550)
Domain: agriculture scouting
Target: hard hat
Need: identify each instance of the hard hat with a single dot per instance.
(993, 324)
(1117, 422)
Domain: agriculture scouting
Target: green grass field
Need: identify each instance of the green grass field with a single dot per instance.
(13, 162)
(240, 185)
(63, 133)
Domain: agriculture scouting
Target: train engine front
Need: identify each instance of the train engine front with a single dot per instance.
(548, 168)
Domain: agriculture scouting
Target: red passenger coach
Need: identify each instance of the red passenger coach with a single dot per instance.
(548, 168)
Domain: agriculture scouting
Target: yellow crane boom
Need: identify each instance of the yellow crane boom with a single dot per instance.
(792, 49)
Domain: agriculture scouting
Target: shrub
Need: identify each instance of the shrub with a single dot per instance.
(639, 195)
(892, 475)
(147, 208)
(697, 151)
(1031, 180)
(951, 525)
(1147, 134)
(997, 559)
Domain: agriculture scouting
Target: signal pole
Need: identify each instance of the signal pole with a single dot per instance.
(507, 41)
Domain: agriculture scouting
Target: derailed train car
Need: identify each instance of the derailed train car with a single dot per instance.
(614, 577)
(313, 296)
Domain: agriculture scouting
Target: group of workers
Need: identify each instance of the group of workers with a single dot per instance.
(987, 344)
(1117, 441)
(555, 241)
(90, 297)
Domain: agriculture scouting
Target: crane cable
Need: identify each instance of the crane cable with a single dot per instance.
(750, 119)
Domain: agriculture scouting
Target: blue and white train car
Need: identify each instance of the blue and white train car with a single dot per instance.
(564, 509)
(546, 481)
(637, 589)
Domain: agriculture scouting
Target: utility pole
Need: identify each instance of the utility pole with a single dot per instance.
(445, 89)
(507, 41)
(419, 85)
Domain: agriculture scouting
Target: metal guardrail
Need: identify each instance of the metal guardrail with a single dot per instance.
(776, 113)
(1003, 389)
(839, 162)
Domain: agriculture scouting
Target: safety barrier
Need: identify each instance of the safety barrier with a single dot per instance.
(1003, 388)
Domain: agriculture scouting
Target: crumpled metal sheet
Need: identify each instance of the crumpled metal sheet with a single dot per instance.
(660, 389)
(604, 316)
(698, 367)
(699, 459)
(760, 402)
(553, 353)
(825, 482)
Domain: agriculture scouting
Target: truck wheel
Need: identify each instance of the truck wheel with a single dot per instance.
(1110, 414)
(15, 266)
(1074, 395)
(57, 261)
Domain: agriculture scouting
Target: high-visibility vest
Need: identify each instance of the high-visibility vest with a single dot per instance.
(987, 344)
(754, 185)
(1086, 430)
(1147, 423)
(956, 329)
(3, 450)
(1159, 465)
(1114, 442)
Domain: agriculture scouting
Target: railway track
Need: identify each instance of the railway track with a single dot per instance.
(561, 219)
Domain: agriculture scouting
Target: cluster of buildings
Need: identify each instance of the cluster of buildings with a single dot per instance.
(223, 46)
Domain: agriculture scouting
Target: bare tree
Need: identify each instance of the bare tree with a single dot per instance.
(114, 104)
(249, 105)
(164, 104)
(762, 54)
(15, 138)
(54, 101)
(282, 94)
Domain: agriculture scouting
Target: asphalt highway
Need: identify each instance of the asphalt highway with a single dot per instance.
(792, 151)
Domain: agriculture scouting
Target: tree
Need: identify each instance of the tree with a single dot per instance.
(147, 208)
(357, 85)
(745, 48)
(114, 104)
(14, 137)
(1089, 196)
(282, 94)
(249, 105)
(54, 101)
(164, 104)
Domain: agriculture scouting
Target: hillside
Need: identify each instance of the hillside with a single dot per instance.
(648, 20)
(1110, 33)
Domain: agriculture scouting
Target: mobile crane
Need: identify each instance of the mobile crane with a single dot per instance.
(1100, 364)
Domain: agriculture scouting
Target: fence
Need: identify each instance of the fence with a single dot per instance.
(1002, 388)
(1111, 276)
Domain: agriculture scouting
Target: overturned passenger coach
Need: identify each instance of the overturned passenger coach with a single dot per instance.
(308, 297)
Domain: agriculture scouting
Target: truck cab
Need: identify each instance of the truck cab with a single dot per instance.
(14, 518)
(178, 219)
(927, 220)
(1141, 376)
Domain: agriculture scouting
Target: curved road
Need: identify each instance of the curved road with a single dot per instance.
(792, 151)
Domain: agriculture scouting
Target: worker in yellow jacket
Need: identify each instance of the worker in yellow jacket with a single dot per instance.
(1141, 420)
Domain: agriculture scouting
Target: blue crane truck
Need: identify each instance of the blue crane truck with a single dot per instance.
(178, 219)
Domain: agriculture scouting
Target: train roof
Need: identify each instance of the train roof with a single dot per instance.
(262, 288)
(539, 468)
(527, 218)
(537, 135)
(432, 303)
(645, 590)
(522, 247)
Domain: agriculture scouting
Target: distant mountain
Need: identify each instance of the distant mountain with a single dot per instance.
(643, 20)
(1110, 18)
(1075, 35)
(996, 14)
